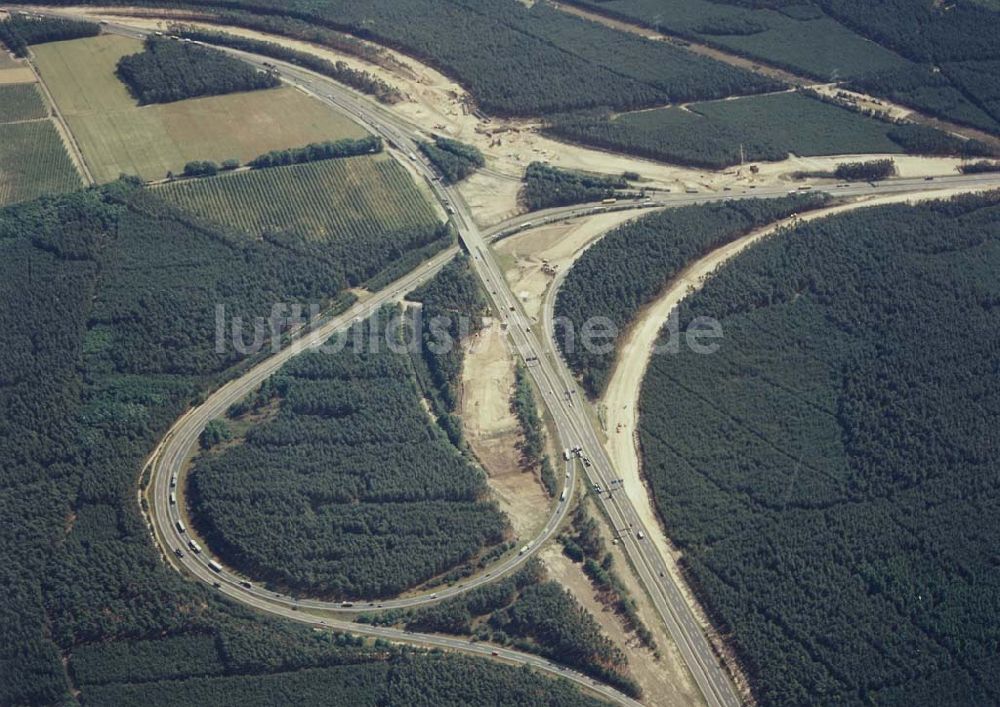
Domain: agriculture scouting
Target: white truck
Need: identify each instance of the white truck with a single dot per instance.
(195, 547)
(214, 566)
(180, 526)
(566, 455)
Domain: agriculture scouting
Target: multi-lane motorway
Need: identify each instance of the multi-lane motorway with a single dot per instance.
(558, 389)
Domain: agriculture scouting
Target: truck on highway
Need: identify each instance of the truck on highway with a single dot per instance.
(609, 200)
(566, 455)
(524, 549)
(173, 498)
(173, 481)
(180, 526)
(195, 547)
(562, 496)
(214, 566)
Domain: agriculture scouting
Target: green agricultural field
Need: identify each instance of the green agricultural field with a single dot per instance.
(117, 136)
(33, 161)
(710, 134)
(366, 212)
(21, 101)
(331, 200)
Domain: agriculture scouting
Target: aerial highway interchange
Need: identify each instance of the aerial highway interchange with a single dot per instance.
(562, 398)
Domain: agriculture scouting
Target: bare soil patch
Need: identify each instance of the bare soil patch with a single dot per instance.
(493, 431)
(15, 74)
(541, 254)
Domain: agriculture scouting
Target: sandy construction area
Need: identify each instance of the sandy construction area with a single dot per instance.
(906, 165)
(621, 397)
(533, 259)
(494, 433)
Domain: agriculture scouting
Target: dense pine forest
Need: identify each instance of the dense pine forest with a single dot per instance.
(168, 70)
(495, 50)
(530, 613)
(831, 473)
(350, 490)
(89, 385)
(595, 67)
(453, 308)
(940, 58)
(546, 186)
(363, 81)
(871, 171)
(18, 31)
(722, 133)
(454, 160)
(403, 679)
(532, 430)
(631, 265)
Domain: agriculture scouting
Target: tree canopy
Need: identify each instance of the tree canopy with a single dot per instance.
(830, 474)
(108, 301)
(169, 70)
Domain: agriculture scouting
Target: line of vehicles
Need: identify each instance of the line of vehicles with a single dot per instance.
(576, 452)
